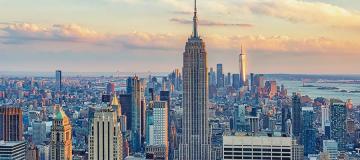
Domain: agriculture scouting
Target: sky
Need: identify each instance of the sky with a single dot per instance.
(280, 36)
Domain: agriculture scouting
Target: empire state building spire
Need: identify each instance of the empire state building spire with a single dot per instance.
(195, 21)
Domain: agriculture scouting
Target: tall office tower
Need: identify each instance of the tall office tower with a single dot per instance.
(61, 136)
(239, 118)
(324, 117)
(338, 124)
(11, 123)
(257, 147)
(228, 79)
(219, 76)
(159, 131)
(110, 88)
(243, 67)
(296, 115)
(105, 137)
(12, 150)
(331, 147)
(236, 81)
(165, 96)
(58, 76)
(125, 102)
(115, 105)
(134, 88)
(309, 132)
(38, 132)
(212, 77)
(195, 126)
(285, 116)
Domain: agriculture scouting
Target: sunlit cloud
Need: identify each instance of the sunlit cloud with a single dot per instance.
(76, 37)
(311, 12)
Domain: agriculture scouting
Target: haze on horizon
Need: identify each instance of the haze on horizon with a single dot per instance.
(282, 36)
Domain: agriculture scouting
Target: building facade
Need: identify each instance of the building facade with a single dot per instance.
(257, 147)
(105, 137)
(195, 126)
(61, 136)
(14, 150)
(11, 123)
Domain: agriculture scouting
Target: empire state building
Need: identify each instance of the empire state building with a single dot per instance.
(195, 143)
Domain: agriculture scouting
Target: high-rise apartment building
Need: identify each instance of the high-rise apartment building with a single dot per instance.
(338, 113)
(195, 126)
(134, 88)
(236, 81)
(105, 137)
(158, 130)
(219, 76)
(58, 80)
(11, 123)
(61, 136)
(296, 115)
(324, 117)
(308, 132)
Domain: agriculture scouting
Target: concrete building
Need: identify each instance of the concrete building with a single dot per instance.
(331, 147)
(195, 126)
(105, 137)
(14, 150)
(11, 123)
(61, 136)
(258, 147)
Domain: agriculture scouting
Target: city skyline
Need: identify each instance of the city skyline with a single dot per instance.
(54, 35)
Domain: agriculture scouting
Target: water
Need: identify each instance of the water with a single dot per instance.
(314, 92)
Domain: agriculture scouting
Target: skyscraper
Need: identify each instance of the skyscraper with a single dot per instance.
(212, 77)
(58, 80)
(236, 81)
(338, 124)
(219, 76)
(105, 137)
(61, 136)
(11, 124)
(133, 88)
(309, 132)
(296, 114)
(195, 126)
(243, 67)
(110, 88)
(159, 130)
(324, 117)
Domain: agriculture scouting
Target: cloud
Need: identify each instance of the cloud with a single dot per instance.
(26, 32)
(313, 12)
(78, 38)
(211, 23)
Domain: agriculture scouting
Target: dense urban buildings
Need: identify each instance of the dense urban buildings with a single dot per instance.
(202, 111)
